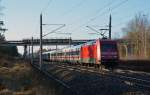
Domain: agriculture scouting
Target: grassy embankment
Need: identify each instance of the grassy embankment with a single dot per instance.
(15, 77)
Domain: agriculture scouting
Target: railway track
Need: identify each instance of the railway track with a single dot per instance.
(132, 81)
(45, 72)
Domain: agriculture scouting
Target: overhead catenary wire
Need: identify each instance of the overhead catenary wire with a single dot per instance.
(120, 23)
(108, 4)
(105, 6)
(98, 10)
(42, 11)
(46, 7)
(63, 25)
(110, 9)
(123, 22)
(57, 27)
(96, 31)
(74, 7)
(126, 19)
(103, 13)
(53, 31)
(36, 29)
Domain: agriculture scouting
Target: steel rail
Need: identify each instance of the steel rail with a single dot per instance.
(50, 76)
(132, 80)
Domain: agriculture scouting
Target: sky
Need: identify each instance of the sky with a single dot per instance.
(22, 17)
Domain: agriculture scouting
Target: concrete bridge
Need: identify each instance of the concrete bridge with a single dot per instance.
(45, 42)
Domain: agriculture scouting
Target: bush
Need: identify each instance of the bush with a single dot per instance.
(9, 50)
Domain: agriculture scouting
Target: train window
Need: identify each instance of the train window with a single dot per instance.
(67, 53)
(94, 42)
(54, 54)
(76, 53)
(106, 47)
(59, 54)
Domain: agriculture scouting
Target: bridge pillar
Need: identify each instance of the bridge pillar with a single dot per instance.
(25, 52)
(29, 52)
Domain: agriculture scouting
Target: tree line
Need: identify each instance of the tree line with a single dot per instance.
(137, 35)
(7, 50)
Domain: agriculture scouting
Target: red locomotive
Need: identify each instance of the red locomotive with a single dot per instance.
(98, 52)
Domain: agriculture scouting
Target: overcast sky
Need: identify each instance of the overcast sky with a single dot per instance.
(22, 16)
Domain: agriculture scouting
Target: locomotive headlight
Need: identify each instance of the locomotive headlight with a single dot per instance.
(103, 56)
(115, 56)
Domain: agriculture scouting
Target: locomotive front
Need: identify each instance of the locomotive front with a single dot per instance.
(109, 53)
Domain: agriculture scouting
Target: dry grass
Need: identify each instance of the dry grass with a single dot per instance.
(28, 92)
(15, 73)
(6, 92)
(9, 92)
(18, 70)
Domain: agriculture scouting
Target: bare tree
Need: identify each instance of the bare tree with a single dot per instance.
(2, 30)
(138, 33)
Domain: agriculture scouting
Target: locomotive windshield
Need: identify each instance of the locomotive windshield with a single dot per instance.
(108, 47)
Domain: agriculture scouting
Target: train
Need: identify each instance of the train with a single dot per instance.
(99, 52)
